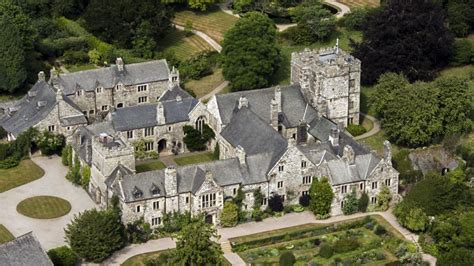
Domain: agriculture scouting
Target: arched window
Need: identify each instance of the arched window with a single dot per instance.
(200, 123)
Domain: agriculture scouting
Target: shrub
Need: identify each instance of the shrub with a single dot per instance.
(325, 251)
(321, 196)
(380, 230)
(350, 203)
(3, 133)
(383, 199)
(85, 176)
(462, 52)
(173, 222)
(216, 152)
(257, 215)
(346, 245)
(304, 200)
(317, 242)
(287, 259)
(363, 202)
(49, 143)
(62, 256)
(3, 151)
(195, 140)
(188, 28)
(9, 162)
(229, 215)
(275, 203)
(138, 231)
(198, 66)
(66, 155)
(356, 130)
(75, 57)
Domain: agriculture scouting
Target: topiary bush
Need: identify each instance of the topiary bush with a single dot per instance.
(356, 130)
(287, 259)
(63, 256)
(326, 251)
(304, 200)
(380, 230)
(275, 203)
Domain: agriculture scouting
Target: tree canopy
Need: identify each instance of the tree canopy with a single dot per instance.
(321, 196)
(249, 52)
(397, 39)
(195, 247)
(94, 235)
(314, 22)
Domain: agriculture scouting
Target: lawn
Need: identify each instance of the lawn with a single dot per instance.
(139, 260)
(183, 46)
(283, 74)
(360, 3)
(150, 166)
(372, 246)
(25, 172)
(206, 84)
(44, 207)
(375, 142)
(194, 159)
(5, 235)
(213, 22)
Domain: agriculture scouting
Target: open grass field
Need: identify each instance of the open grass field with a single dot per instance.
(44, 207)
(183, 46)
(282, 76)
(213, 22)
(194, 159)
(371, 247)
(206, 84)
(5, 235)
(25, 172)
(150, 166)
(360, 3)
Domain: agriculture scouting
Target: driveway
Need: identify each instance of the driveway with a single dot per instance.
(50, 232)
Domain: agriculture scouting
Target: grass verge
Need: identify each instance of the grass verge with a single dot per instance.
(150, 166)
(206, 84)
(5, 235)
(44, 207)
(194, 159)
(183, 46)
(25, 172)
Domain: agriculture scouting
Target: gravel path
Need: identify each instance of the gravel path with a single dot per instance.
(50, 232)
(375, 129)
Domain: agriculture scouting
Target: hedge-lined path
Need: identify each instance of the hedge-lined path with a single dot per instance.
(375, 129)
(50, 232)
(272, 223)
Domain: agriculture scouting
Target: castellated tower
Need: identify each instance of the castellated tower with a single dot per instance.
(330, 81)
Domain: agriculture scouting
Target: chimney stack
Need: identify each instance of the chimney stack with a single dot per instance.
(240, 152)
(160, 114)
(278, 98)
(348, 154)
(41, 76)
(387, 152)
(243, 102)
(274, 114)
(119, 63)
(334, 137)
(171, 181)
(54, 78)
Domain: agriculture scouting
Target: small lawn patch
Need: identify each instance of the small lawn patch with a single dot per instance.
(150, 166)
(375, 142)
(44, 207)
(206, 84)
(25, 172)
(184, 47)
(213, 22)
(194, 159)
(5, 235)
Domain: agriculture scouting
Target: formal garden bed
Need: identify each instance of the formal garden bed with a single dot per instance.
(44, 207)
(5, 235)
(25, 172)
(369, 240)
(153, 258)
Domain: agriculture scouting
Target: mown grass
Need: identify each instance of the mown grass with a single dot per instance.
(206, 84)
(213, 22)
(5, 235)
(360, 3)
(183, 46)
(44, 207)
(282, 76)
(194, 159)
(25, 172)
(150, 166)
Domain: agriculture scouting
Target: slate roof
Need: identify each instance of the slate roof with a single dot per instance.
(341, 172)
(255, 136)
(320, 128)
(86, 134)
(176, 91)
(259, 101)
(189, 178)
(108, 77)
(24, 250)
(142, 116)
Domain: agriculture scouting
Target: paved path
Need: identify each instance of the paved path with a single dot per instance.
(375, 129)
(50, 231)
(272, 223)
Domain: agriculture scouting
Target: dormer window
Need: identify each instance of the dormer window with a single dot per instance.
(137, 193)
(155, 190)
(118, 87)
(98, 90)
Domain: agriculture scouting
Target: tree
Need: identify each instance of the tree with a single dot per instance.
(14, 14)
(416, 220)
(229, 215)
(321, 196)
(195, 247)
(257, 198)
(12, 68)
(287, 259)
(94, 235)
(383, 198)
(249, 52)
(66, 155)
(363, 202)
(275, 203)
(350, 203)
(356, 19)
(143, 43)
(49, 143)
(315, 22)
(195, 140)
(396, 39)
(202, 5)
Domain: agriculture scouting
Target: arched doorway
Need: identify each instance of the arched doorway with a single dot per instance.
(161, 145)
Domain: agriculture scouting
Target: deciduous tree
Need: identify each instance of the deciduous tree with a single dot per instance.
(321, 196)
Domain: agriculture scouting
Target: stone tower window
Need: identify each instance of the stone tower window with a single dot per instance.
(352, 83)
(156, 205)
(303, 164)
(98, 89)
(138, 208)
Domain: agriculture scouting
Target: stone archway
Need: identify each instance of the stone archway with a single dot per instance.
(162, 145)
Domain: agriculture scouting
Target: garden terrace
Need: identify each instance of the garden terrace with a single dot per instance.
(369, 240)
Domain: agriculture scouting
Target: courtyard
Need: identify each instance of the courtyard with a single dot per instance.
(50, 232)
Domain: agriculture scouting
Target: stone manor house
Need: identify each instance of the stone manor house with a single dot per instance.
(275, 139)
